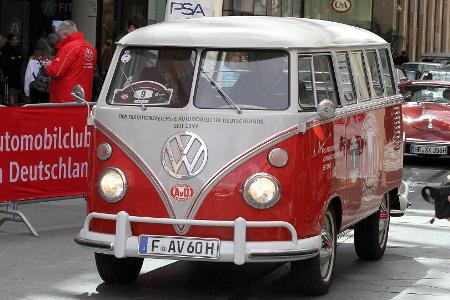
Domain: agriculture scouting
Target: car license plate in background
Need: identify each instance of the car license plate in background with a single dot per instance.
(178, 246)
(427, 149)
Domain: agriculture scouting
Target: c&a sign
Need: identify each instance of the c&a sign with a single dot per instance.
(341, 6)
(186, 9)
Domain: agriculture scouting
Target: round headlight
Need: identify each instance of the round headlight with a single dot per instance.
(112, 185)
(104, 151)
(261, 191)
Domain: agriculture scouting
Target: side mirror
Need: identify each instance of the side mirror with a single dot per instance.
(78, 94)
(326, 109)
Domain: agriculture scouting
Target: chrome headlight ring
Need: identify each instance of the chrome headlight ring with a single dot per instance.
(112, 185)
(261, 191)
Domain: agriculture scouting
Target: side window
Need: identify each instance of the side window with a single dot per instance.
(388, 77)
(324, 81)
(345, 74)
(375, 73)
(305, 83)
(360, 75)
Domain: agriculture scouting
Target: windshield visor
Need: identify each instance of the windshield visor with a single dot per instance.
(153, 77)
(248, 79)
(426, 94)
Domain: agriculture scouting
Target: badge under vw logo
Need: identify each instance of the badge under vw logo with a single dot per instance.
(184, 155)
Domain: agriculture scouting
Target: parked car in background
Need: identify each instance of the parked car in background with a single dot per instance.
(436, 57)
(415, 70)
(436, 75)
(400, 75)
(426, 117)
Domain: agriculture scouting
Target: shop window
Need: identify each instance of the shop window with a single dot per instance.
(285, 8)
(360, 75)
(375, 72)
(359, 13)
(345, 74)
(388, 77)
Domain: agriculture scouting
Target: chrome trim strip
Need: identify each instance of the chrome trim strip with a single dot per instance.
(304, 254)
(348, 110)
(416, 141)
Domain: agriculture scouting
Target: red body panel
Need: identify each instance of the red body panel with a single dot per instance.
(319, 169)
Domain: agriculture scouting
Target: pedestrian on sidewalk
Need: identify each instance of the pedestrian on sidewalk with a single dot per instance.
(41, 56)
(12, 67)
(73, 64)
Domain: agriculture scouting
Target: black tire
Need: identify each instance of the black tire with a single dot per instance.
(371, 234)
(309, 276)
(118, 270)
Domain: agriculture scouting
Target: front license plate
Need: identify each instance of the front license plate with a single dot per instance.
(178, 246)
(427, 149)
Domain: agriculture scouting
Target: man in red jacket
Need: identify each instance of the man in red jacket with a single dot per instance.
(74, 64)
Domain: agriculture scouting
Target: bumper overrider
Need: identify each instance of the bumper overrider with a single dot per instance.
(124, 244)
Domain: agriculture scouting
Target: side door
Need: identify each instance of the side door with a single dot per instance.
(317, 82)
(354, 132)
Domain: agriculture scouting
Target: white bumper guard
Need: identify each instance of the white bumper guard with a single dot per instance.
(124, 244)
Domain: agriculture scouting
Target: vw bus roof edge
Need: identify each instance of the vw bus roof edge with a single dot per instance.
(252, 32)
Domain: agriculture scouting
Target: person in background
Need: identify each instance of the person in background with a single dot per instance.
(2, 74)
(134, 22)
(12, 66)
(107, 55)
(403, 58)
(230, 71)
(53, 40)
(73, 64)
(41, 55)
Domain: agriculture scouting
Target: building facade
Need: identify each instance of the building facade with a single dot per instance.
(417, 26)
(422, 25)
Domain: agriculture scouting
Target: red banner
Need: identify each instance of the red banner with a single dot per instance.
(43, 152)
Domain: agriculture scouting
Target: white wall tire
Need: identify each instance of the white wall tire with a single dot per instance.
(314, 276)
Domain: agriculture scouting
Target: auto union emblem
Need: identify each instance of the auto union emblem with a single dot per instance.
(184, 155)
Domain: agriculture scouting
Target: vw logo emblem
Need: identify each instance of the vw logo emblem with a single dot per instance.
(184, 155)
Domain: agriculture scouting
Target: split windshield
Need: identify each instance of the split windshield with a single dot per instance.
(237, 80)
(153, 77)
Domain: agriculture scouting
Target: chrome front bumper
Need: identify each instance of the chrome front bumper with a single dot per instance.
(124, 244)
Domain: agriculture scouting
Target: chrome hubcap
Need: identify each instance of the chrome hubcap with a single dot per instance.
(327, 249)
(383, 223)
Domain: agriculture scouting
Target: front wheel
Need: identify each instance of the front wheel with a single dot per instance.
(371, 234)
(118, 270)
(313, 276)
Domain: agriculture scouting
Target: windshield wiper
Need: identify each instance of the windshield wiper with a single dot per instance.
(221, 92)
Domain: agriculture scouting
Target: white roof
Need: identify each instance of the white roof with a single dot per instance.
(252, 32)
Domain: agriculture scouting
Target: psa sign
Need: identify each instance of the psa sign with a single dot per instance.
(184, 9)
(341, 6)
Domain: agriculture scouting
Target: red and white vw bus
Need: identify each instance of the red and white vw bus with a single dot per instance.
(244, 139)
